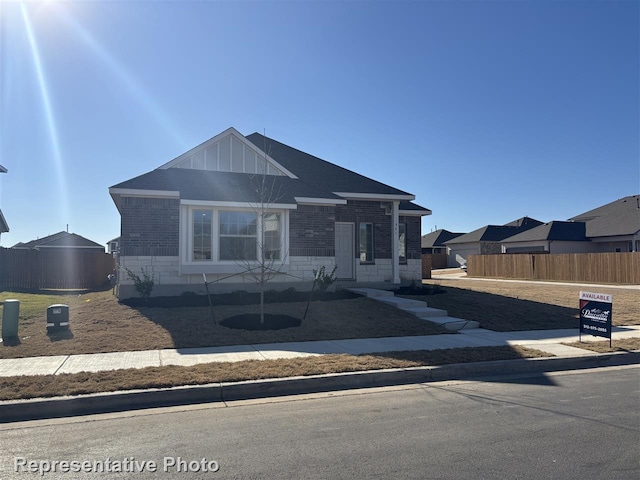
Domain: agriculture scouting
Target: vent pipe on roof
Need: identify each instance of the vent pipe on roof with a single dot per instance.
(67, 228)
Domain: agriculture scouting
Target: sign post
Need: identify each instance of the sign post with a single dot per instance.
(595, 314)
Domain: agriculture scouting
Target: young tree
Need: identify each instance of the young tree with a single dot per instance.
(262, 259)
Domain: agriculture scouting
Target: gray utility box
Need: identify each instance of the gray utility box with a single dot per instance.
(10, 315)
(57, 316)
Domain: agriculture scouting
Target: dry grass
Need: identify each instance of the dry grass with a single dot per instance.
(509, 306)
(622, 345)
(100, 324)
(12, 388)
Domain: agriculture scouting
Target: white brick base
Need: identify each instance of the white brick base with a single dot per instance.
(298, 274)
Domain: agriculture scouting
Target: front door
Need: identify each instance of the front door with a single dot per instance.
(345, 250)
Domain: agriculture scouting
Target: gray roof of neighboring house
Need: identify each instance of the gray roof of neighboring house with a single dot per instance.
(317, 179)
(621, 217)
(437, 238)
(497, 233)
(555, 231)
(4, 226)
(61, 239)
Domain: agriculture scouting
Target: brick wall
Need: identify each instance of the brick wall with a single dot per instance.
(311, 231)
(414, 232)
(149, 226)
(358, 211)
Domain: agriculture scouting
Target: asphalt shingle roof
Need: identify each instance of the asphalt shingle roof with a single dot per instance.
(314, 170)
(437, 238)
(497, 233)
(621, 217)
(555, 230)
(317, 178)
(61, 239)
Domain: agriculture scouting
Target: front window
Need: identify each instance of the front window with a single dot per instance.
(366, 242)
(202, 247)
(402, 242)
(271, 230)
(238, 236)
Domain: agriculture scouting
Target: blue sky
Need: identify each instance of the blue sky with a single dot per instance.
(486, 111)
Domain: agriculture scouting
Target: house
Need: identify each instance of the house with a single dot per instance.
(614, 227)
(113, 246)
(551, 237)
(61, 241)
(434, 242)
(221, 207)
(485, 240)
(4, 227)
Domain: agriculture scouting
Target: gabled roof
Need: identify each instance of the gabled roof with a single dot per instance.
(314, 170)
(497, 233)
(61, 240)
(437, 238)
(303, 179)
(552, 231)
(621, 217)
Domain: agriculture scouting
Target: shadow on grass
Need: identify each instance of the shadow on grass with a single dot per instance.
(502, 313)
(466, 357)
(60, 334)
(342, 315)
(11, 341)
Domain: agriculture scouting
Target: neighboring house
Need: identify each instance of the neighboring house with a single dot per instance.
(113, 246)
(434, 242)
(199, 214)
(614, 227)
(485, 240)
(551, 237)
(61, 241)
(4, 227)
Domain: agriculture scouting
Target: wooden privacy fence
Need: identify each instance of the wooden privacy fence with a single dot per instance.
(620, 268)
(55, 269)
(431, 261)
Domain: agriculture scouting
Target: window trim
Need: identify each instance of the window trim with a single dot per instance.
(360, 252)
(189, 266)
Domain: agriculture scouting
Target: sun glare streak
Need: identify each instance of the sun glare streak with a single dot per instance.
(127, 80)
(48, 111)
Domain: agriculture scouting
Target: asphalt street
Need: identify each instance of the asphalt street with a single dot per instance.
(569, 425)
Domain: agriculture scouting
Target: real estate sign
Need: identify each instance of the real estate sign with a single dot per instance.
(595, 314)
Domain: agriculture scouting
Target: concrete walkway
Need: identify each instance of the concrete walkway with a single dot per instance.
(545, 340)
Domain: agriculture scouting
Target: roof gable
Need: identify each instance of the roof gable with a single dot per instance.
(437, 238)
(228, 151)
(61, 239)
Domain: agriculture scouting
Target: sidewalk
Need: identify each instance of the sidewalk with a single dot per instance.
(546, 340)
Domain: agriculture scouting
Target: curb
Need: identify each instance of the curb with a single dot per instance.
(59, 407)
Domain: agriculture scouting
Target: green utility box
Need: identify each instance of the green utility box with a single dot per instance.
(57, 317)
(10, 315)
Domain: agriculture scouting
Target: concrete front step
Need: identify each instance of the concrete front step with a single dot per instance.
(451, 323)
(402, 303)
(418, 308)
(425, 312)
(372, 292)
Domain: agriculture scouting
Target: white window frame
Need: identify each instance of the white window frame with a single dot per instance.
(215, 265)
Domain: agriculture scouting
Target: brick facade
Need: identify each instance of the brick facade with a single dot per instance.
(149, 226)
(311, 231)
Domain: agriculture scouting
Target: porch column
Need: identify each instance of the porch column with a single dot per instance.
(395, 242)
